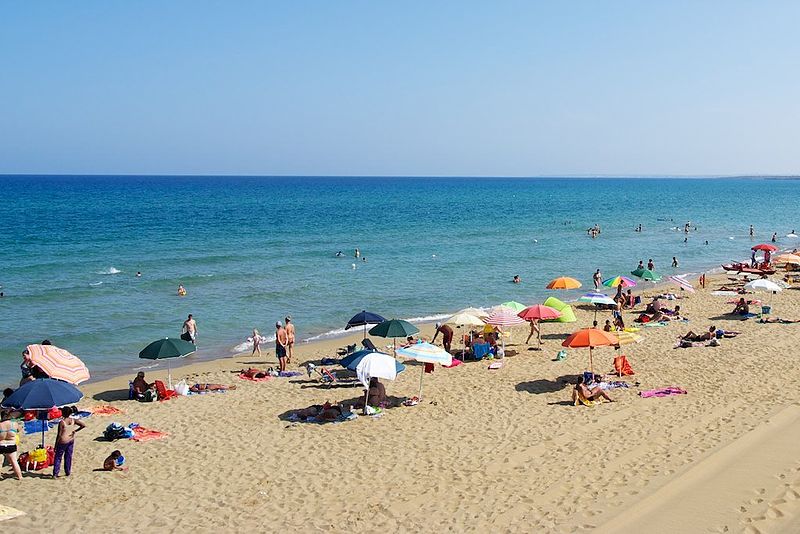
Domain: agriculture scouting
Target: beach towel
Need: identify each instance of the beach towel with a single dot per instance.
(287, 374)
(105, 409)
(141, 433)
(36, 426)
(662, 392)
(6, 512)
(245, 376)
(653, 325)
(613, 385)
(622, 367)
(586, 402)
(455, 363)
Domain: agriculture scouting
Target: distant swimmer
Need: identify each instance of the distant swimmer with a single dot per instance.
(181, 290)
(752, 231)
(339, 254)
(516, 279)
(685, 239)
(357, 254)
(138, 274)
(674, 261)
(364, 259)
(641, 265)
(650, 265)
(706, 242)
(774, 237)
(353, 265)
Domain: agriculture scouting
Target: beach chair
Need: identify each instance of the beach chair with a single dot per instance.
(164, 393)
(349, 349)
(368, 344)
(480, 350)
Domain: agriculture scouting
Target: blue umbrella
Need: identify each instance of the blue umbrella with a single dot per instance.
(351, 361)
(43, 394)
(364, 318)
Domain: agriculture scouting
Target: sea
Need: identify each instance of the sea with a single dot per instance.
(251, 250)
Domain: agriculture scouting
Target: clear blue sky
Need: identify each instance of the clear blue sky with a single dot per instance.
(400, 88)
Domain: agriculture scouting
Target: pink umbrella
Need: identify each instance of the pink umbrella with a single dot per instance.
(504, 316)
(538, 312)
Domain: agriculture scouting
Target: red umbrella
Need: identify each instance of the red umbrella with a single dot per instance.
(766, 247)
(537, 312)
(590, 337)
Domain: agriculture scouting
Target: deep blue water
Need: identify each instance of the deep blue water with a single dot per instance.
(251, 250)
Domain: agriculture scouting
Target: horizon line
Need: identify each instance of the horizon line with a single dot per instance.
(441, 176)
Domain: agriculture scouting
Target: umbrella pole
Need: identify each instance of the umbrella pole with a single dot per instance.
(366, 397)
(591, 362)
(421, 376)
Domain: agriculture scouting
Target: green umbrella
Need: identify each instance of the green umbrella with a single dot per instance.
(646, 274)
(514, 305)
(166, 348)
(394, 328)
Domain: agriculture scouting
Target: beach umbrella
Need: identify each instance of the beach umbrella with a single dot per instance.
(166, 349)
(787, 258)
(502, 316)
(682, 283)
(647, 274)
(375, 365)
(58, 363)
(426, 353)
(591, 338)
(539, 312)
(563, 282)
(351, 361)
(597, 298)
(41, 395)
(477, 312)
(514, 305)
(364, 318)
(394, 328)
(624, 281)
(627, 338)
(763, 285)
(766, 247)
(465, 319)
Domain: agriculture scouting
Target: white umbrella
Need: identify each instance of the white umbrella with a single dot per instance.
(426, 353)
(375, 365)
(682, 282)
(463, 318)
(765, 286)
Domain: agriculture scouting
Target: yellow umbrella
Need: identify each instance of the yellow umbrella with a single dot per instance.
(626, 338)
(563, 282)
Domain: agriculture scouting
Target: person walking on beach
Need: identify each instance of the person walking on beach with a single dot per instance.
(65, 441)
(447, 335)
(256, 342)
(534, 330)
(290, 335)
(189, 331)
(597, 278)
(281, 339)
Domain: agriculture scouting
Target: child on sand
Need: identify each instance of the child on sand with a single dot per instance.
(114, 462)
(65, 441)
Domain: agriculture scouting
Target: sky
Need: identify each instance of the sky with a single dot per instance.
(445, 88)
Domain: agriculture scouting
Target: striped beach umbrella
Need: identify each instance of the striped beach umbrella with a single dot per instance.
(502, 316)
(597, 298)
(682, 283)
(426, 353)
(58, 363)
(624, 281)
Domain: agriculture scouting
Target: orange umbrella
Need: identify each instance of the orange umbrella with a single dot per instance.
(58, 363)
(590, 337)
(564, 282)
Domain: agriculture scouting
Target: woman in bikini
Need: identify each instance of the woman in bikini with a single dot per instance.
(582, 392)
(8, 441)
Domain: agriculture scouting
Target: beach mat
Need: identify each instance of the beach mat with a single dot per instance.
(141, 433)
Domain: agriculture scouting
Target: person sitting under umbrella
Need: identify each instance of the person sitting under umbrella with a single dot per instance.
(376, 395)
(141, 389)
(742, 308)
(582, 393)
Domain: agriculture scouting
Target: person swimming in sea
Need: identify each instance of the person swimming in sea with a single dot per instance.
(339, 254)
(516, 279)
(138, 274)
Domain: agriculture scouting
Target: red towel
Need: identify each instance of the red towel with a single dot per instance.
(141, 433)
(428, 367)
(105, 410)
(622, 367)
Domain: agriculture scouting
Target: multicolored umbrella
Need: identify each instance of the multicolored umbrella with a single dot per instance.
(597, 298)
(624, 281)
(563, 282)
(591, 338)
(503, 316)
(682, 282)
(787, 258)
(426, 353)
(58, 363)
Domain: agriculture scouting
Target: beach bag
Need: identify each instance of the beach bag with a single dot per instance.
(182, 388)
(562, 355)
(116, 431)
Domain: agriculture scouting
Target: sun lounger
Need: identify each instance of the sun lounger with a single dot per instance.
(368, 344)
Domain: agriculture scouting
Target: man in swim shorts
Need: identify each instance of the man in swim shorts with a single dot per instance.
(290, 335)
(447, 335)
(281, 340)
(189, 332)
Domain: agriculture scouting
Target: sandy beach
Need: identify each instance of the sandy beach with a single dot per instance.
(501, 450)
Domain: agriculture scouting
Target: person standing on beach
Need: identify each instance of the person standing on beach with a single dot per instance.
(447, 335)
(256, 342)
(189, 331)
(65, 441)
(290, 335)
(597, 278)
(281, 339)
(9, 430)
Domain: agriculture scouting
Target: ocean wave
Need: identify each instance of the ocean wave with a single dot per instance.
(248, 345)
(110, 270)
(95, 284)
(428, 318)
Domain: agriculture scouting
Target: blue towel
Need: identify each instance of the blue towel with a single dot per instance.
(35, 426)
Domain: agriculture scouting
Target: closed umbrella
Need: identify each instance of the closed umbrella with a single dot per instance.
(58, 363)
(539, 312)
(364, 318)
(591, 338)
(682, 283)
(375, 365)
(42, 394)
(563, 282)
(394, 328)
(426, 353)
(166, 349)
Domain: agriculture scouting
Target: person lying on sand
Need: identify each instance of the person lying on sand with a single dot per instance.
(582, 392)
(198, 388)
(326, 412)
(742, 308)
(726, 333)
(708, 336)
(778, 320)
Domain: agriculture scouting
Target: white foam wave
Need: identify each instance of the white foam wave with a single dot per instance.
(331, 333)
(143, 367)
(428, 318)
(95, 284)
(248, 344)
(110, 270)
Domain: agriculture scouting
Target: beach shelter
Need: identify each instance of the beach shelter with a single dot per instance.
(591, 338)
(364, 318)
(514, 305)
(41, 395)
(539, 312)
(166, 349)
(563, 282)
(615, 281)
(682, 283)
(426, 353)
(465, 319)
(646, 274)
(597, 298)
(763, 285)
(567, 313)
(58, 363)
(394, 328)
(375, 365)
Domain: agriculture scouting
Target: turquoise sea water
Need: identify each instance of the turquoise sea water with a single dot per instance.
(251, 250)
